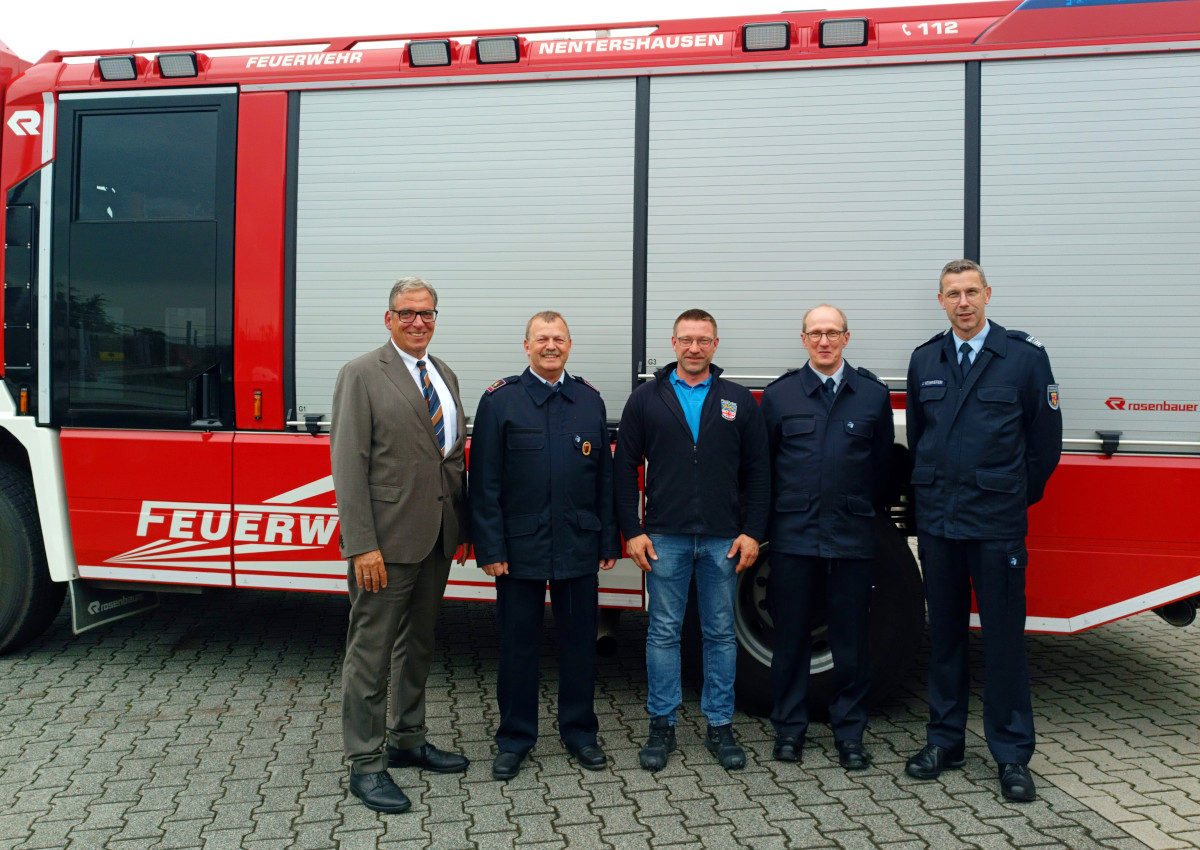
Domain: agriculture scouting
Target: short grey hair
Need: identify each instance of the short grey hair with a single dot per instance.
(960, 266)
(549, 317)
(410, 284)
(804, 321)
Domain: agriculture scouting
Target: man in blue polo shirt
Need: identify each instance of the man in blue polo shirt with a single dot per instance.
(708, 484)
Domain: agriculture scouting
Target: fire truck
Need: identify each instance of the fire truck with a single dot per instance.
(196, 238)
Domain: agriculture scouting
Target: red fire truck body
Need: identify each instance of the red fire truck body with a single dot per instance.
(197, 238)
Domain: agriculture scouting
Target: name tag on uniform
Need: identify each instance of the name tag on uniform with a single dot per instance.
(933, 382)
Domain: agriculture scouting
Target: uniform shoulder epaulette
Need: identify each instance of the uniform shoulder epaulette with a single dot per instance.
(867, 373)
(1024, 337)
(786, 374)
(585, 382)
(503, 382)
(935, 338)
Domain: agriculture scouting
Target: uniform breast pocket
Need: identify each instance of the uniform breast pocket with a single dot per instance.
(998, 395)
(932, 394)
(587, 444)
(859, 428)
(798, 427)
(999, 405)
(519, 439)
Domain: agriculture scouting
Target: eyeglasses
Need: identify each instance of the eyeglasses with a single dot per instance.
(407, 317)
(832, 336)
(688, 341)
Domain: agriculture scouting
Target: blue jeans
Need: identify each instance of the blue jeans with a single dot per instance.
(667, 584)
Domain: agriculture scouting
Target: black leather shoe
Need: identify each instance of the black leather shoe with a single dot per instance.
(932, 760)
(427, 757)
(590, 756)
(379, 793)
(852, 756)
(1016, 784)
(788, 747)
(507, 765)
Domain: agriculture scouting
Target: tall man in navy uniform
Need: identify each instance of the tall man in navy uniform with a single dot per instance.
(708, 482)
(986, 433)
(541, 471)
(830, 432)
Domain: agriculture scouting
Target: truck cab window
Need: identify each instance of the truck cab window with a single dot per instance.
(143, 244)
(147, 166)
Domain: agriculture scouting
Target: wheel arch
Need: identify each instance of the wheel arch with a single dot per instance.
(35, 450)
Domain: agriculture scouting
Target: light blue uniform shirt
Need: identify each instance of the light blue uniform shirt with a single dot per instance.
(691, 399)
(976, 342)
(837, 376)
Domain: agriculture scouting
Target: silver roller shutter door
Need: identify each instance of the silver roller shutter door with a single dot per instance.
(1090, 230)
(509, 199)
(773, 192)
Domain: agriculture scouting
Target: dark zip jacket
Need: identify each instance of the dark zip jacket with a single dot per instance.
(718, 485)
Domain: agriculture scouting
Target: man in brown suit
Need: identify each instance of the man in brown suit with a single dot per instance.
(397, 442)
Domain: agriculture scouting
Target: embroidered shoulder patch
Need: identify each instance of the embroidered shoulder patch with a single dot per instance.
(497, 385)
(1052, 396)
(585, 381)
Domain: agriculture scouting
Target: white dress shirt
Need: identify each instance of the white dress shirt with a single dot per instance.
(445, 397)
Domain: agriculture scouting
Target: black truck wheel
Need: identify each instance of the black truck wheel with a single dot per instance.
(29, 600)
(897, 621)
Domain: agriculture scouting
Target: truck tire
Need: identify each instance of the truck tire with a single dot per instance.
(29, 600)
(897, 623)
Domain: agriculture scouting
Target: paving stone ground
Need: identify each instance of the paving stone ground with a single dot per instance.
(215, 722)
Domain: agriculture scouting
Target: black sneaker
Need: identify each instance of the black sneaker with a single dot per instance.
(721, 743)
(658, 745)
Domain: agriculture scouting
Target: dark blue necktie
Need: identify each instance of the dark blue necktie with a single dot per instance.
(965, 362)
(830, 391)
(435, 406)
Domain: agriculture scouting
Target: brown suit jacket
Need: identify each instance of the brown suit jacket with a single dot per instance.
(395, 491)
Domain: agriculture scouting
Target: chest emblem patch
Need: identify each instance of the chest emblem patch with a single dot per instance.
(728, 410)
(586, 448)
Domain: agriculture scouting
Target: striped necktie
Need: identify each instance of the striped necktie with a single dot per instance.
(435, 406)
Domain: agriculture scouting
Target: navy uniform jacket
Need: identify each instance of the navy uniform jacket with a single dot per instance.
(541, 479)
(983, 449)
(828, 463)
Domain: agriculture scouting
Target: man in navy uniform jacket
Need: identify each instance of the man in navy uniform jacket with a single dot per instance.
(830, 431)
(542, 499)
(986, 433)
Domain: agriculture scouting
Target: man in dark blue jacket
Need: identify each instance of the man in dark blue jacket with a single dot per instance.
(985, 430)
(830, 431)
(542, 502)
(707, 497)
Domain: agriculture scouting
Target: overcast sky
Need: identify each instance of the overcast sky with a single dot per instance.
(31, 28)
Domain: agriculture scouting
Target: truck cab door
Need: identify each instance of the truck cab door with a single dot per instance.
(142, 331)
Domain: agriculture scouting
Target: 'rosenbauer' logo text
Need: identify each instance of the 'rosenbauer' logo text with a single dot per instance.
(1118, 403)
